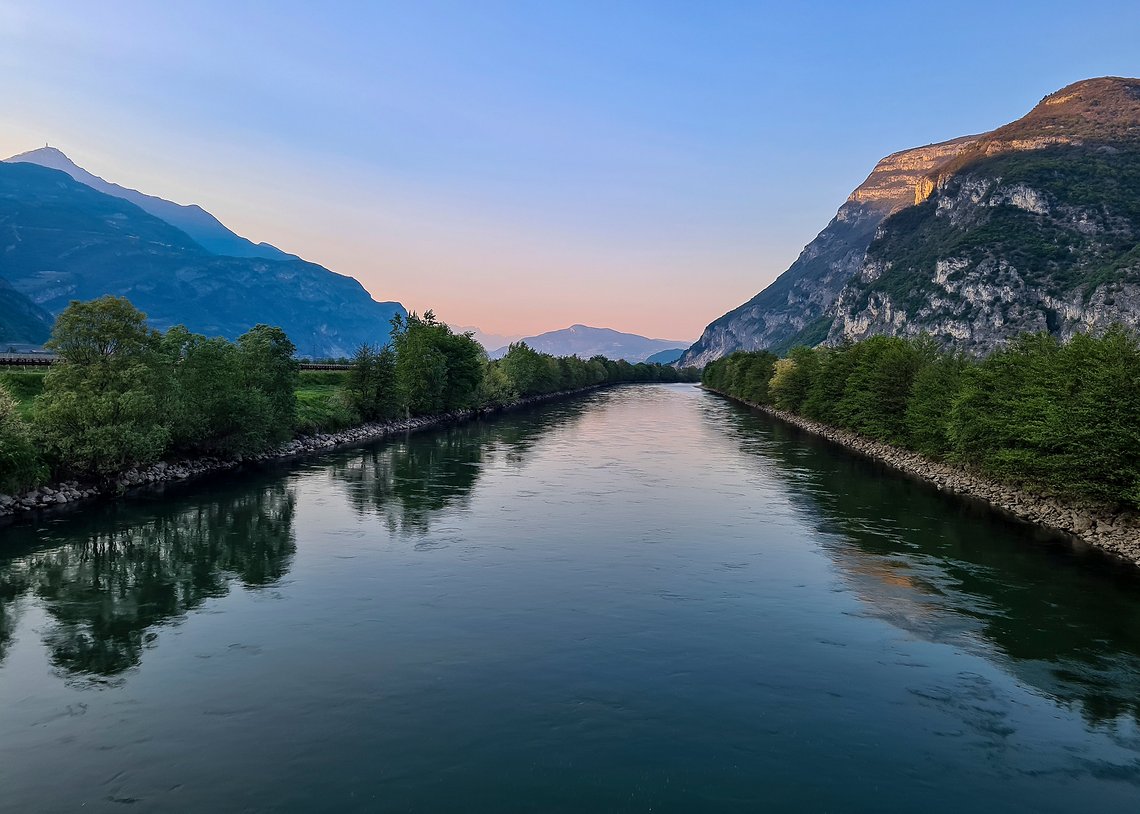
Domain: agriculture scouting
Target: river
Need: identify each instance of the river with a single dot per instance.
(643, 599)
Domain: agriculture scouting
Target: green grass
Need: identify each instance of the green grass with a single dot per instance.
(24, 385)
(320, 406)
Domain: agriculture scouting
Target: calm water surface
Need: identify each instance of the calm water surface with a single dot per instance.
(647, 599)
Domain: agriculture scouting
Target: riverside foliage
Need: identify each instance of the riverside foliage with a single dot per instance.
(126, 395)
(1059, 418)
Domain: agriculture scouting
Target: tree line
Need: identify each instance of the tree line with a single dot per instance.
(124, 394)
(1061, 418)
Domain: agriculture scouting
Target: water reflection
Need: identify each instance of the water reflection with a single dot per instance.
(409, 482)
(1063, 620)
(132, 572)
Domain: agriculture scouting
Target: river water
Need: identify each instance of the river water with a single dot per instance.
(644, 599)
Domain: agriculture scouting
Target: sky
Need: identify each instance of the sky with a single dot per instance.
(522, 166)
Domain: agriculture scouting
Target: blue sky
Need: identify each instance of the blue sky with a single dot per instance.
(522, 166)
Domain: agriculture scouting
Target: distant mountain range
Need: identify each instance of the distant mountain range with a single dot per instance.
(489, 341)
(1032, 227)
(63, 239)
(584, 342)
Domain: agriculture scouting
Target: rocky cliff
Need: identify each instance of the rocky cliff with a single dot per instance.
(1036, 227)
(1027, 227)
(794, 309)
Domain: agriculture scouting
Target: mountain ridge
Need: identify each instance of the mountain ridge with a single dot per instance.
(62, 240)
(205, 229)
(803, 304)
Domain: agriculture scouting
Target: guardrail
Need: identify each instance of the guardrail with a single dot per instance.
(7, 360)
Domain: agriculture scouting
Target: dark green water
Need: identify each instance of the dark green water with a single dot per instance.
(647, 599)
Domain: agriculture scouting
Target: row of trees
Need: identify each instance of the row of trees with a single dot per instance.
(1063, 418)
(125, 394)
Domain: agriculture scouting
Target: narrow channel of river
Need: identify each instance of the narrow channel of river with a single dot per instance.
(644, 599)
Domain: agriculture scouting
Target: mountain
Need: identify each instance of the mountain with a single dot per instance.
(489, 341)
(62, 240)
(195, 221)
(1028, 227)
(584, 342)
(665, 357)
(22, 322)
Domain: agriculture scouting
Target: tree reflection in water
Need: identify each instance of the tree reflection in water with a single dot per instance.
(107, 595)
(1063, 621)
(409, 482)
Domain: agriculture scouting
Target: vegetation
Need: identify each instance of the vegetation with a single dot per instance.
(1060, 251)
(126, 395)
(1063, 419)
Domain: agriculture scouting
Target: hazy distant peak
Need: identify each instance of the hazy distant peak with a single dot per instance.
(585, 341)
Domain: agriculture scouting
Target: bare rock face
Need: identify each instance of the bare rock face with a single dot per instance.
(1030, 227)
(794, 308)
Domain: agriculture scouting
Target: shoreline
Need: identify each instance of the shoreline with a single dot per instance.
(1117, 534)
(63, 493)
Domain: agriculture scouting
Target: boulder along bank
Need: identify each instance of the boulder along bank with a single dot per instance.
(64, 492)
(1117, 533)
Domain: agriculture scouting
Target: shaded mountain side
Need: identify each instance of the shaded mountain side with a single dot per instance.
(61, 240)
(584, 342)
(960, 249)
(22, 322)
(200, 225)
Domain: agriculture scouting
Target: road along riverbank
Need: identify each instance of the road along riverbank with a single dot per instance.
(1117, 533)
(64, 492)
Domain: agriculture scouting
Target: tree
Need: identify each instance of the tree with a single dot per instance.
(212, 408)
(269, 373)
(104, 407)
(931, 398)
(792, 378)
(371, 383)
(421, 367)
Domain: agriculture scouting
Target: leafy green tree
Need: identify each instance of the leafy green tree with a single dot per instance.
(104, 408)
(529, 371)
(1007, 419)
(932, 396)
(212, 411)
(371, 383)
(421, 366)
(874, 400)
(268, 372)
(793, 377)
(1097, 443)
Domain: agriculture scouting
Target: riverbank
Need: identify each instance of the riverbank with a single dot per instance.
(1117, 533)
(64, 492)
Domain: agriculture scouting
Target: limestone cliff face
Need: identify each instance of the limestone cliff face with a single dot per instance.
(990, 256)
(793, 309)
(1032, 226)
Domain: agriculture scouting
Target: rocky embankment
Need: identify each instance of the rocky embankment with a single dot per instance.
(169, 471)
(1115, 533)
